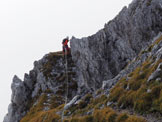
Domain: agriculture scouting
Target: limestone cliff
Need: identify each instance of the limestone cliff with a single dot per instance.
(48, 75)
(95, 65)
(103, 55)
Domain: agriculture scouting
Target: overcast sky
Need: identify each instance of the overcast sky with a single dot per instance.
(30, 29)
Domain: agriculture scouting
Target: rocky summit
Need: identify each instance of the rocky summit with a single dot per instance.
(114, 75)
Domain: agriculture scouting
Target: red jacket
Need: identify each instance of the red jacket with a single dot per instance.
(65, 42)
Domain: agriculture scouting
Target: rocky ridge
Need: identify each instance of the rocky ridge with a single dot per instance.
(139, 85)
(103, 55)
(97, 61)
(47, 75)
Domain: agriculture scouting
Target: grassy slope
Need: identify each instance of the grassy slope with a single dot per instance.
(77, 113)
(97, 108)
(144, 97)
(135, 92)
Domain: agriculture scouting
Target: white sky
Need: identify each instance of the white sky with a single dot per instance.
(29, 29)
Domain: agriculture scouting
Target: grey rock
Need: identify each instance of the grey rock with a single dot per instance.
(158, 80)
(122, 106)
(28, 81)
(108, 84)
(59, 113)
(135, 63)
(102, 106)
(77, 102)
(35, 103)
(109, 103)
(90, 112)
(46, 108)
(18, 89)
(128, 87)
(35, 83)
(156, 73)
(72, 102)
(148, 90)
(40, 85)
(101, 59)
(18, 98)
(160, 65)
(103, 55)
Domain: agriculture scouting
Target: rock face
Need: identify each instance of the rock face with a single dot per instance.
(155, 53)
(97, 61)
(156, 74)
(103, 55)
(18, 98)
(48, 74)
(21, 94)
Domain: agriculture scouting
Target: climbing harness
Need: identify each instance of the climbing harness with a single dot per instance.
(67, 85)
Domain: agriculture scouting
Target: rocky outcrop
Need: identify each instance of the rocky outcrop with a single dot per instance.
(155, 53)
(48, 74)
(68, 105)
(103, 55)
(156, 74)
(97, 61)
(20, 99)
(19, 96)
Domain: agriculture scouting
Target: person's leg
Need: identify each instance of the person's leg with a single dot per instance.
(67, 49)
(63, 48)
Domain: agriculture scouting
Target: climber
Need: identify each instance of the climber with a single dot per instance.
(65, 46)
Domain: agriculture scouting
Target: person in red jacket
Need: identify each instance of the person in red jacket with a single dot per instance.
(65, 46)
